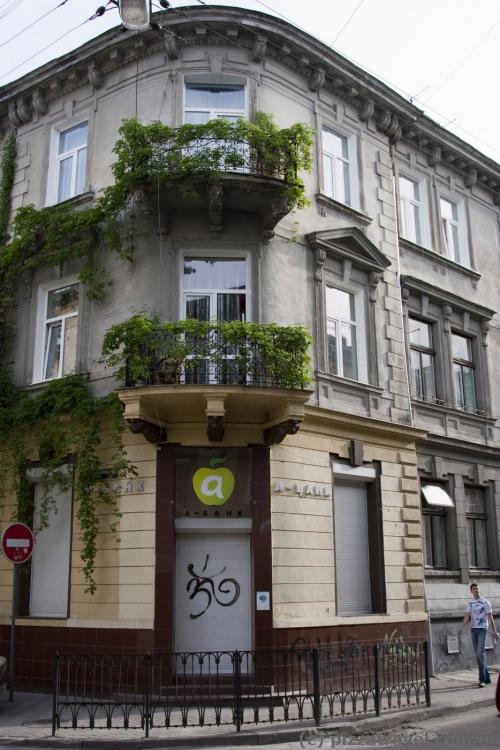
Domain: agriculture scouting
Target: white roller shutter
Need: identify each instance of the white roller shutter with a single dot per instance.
(51, 558)
(210, 569)
(352, 561)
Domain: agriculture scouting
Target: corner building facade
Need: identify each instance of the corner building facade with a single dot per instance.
(303, 506)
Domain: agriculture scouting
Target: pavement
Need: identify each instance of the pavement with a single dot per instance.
(26, 722)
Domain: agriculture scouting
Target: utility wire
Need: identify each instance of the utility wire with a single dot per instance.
(463, 61)
(33, 23)
(39, 52)
(410, 97)
(344, 27)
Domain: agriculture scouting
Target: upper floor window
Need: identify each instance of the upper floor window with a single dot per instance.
(337, 167)
(477, 520)
(55, 347)
(207, 101)
(453, 222)
(411, 210)
(342, 332)
(422, 360)
(464, 387)
(436, 504)
(70, 162)
(215, 288)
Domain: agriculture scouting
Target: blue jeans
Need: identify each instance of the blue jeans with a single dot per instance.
(478, 636)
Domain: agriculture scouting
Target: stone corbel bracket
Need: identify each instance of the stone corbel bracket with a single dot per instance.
(215, 413)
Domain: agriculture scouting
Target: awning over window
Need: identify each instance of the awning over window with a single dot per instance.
(436, 495)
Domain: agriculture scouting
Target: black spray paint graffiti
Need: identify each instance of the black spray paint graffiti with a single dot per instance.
(204, 584)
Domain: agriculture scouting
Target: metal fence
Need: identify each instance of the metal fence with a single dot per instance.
(147, 691)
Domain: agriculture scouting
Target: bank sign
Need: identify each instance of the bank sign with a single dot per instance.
(213, 482)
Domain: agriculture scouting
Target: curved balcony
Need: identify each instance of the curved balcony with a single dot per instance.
(216, 166)
(245, 380)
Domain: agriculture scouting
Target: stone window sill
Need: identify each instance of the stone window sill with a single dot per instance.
(325, 200)
(438, 258)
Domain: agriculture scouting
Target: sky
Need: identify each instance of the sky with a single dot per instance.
(442, 54)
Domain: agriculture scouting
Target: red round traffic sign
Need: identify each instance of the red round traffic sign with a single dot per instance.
(17, 542)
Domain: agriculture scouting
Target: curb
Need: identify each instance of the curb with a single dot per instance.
(289, 734)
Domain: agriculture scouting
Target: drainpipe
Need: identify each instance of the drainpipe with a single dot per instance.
(430, 656)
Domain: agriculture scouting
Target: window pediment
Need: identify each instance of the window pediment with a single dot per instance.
(350, 243)
(443, 296)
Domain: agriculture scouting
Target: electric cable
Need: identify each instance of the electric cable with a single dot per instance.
(39, 52)
(462, 62)
(344, 27)
(40, 18)
(9, 6)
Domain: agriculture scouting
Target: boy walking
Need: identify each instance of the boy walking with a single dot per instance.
(478, 612)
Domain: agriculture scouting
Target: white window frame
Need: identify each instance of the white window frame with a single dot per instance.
(360, 321)
(423, 209)
(352, 161)
(219, 254)
(461, 254)
(55, 158)
(41, 325)
(213, 79)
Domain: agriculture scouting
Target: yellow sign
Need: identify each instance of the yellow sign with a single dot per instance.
(212, 485)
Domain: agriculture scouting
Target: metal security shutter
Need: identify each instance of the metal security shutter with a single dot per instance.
(205, 561)
(352, 561)
(51, 558)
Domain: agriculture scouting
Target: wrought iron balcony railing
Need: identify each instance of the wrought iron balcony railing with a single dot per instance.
(150, 352)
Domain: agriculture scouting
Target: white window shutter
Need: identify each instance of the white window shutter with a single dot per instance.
(51, 557)
(352, 559)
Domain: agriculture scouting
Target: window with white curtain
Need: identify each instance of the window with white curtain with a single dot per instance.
(339, 167)
(454, 231)
(345, 332)
(68, 163)
(204, 101)
(57, 329)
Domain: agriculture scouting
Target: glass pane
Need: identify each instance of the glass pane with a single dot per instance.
(328, 176)
(346, 188)
(73, 138)
(332, 346)
(455, 247)
(81, 162)
(62, 301)
(481, 543)
(231, 307)
(198, 307)
(408, 188)
(215, 96)
(448, 209)
(335, 144)
(457, 386)
(439, 538)
(461, 347)
(416, 374)
(215, 273)
(349, 356)
(197, 118)
(471, 543)
(69, 350)
(340, 304)
(427, 540)
(469, 388)
(415, 219)
(474, 500)
(64, 187)
(420, 333)
(428, 375)
(52, 351)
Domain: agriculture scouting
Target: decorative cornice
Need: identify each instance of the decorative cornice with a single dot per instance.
(352, 244)
(262, 35)
(449, 300)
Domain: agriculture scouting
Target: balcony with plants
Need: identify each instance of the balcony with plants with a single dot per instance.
(253, 374)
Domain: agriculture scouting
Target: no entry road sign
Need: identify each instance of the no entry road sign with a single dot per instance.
(17, 542)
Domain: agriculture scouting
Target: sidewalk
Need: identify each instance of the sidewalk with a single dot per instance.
(27, 721)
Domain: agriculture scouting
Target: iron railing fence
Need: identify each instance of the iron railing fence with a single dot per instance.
(213, 360)
(147, 691)
(209, 154)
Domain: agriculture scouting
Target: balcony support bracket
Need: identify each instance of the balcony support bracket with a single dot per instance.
(215, 413)
(152, 432)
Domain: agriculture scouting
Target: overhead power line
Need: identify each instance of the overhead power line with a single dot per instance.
(344, 27)
(40, 18)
